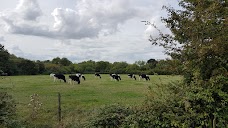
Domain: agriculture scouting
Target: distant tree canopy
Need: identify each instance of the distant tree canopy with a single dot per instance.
(14, 65)
(152, 63)
(64, 61)
(28, 67)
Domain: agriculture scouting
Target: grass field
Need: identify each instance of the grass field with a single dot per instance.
(88, 95)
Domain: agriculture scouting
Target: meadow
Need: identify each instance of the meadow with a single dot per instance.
(78, 98)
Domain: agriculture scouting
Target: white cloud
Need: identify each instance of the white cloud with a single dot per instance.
(28, 9)
(89, 19)
(107, 30)
(2, 39)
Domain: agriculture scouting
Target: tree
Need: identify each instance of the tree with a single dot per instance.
(86, 66)
(163, 67)
(65, 62)
(4, 58)
(28, 67)
(40, 66)
(52, 68)
(56, 60)
(200, 31)
(133, 69)
(102, 66)
(118, 67)
(142, 65)
(152, 63)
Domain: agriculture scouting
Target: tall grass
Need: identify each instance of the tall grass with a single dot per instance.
(78, 99)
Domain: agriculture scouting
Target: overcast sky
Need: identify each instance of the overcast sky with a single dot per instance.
(80, 30)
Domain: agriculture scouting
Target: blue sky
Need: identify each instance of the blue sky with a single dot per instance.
(80, 30)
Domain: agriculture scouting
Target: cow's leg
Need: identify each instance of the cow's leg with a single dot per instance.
(69, 81)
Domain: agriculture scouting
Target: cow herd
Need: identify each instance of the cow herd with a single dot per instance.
(76, 78)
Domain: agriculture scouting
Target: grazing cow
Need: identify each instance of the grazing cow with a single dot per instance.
(81, 76)
(144, 76)
(97, 75)
(131, 76)
(52, 75)
(74, 78)
(115, 77)
(60, 77)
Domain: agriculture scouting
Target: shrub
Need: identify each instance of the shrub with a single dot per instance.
(7, 109)
(110, 116)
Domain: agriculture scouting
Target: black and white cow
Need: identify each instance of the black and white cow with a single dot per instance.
(52, 75)
(115, 77)
(144, 76)
(60, 77)
(81, 76)
(131, 76)
(74, 78)
(97, 75)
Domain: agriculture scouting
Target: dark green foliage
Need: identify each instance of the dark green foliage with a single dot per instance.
(164, 107)
(152, 63)
(111, 116)
(168, 67)
(64, 61)
(201, 30)
(41, 67)
(7, 109)
(119, 67)
(4, 59)
(102, 66)
(28, 67)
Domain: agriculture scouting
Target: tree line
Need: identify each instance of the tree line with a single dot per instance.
(14, 65)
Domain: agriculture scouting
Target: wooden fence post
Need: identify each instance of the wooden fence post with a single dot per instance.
(59, 107)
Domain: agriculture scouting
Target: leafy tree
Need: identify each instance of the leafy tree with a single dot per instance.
(133, 69)
(40, 66)
(56, 60)
(200, 31)
(52, 68)
(102, 66)
(119, 67)
(152, 63)
(140, 63)
(65, 62)
(4, 58)
(28, 67)
(87, 66)
(77, 68)
(163, 67)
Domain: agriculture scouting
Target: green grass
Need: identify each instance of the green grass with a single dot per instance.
(88, 95)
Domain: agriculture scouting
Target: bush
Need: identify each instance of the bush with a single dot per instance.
(110, 116)
(7, 109)
(164, 107)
